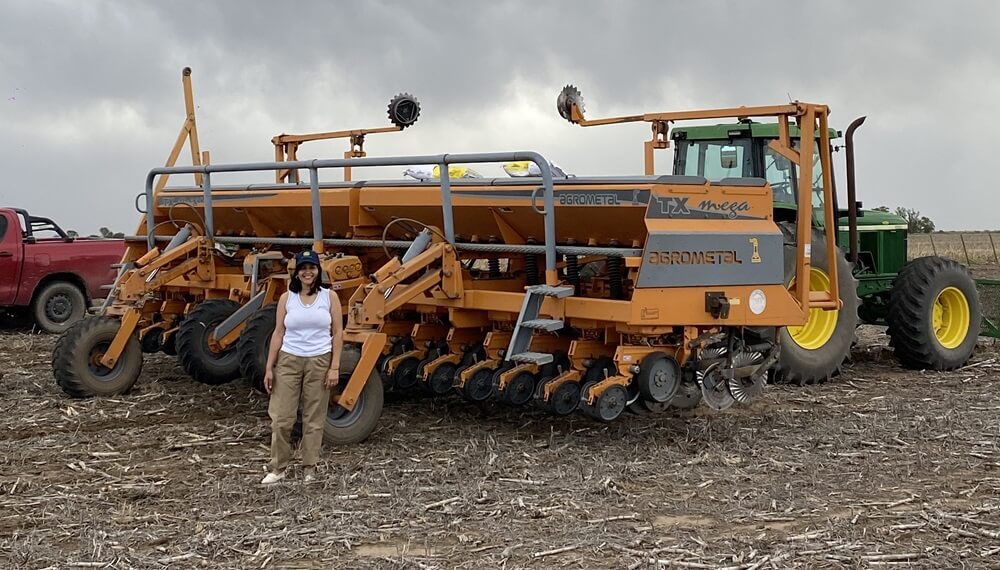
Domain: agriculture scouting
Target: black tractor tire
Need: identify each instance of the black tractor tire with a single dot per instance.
(343, 427)
(912, 300)
(75, 356)
(196, 357)
(152, 341)
(800, 365)
(254, 344)
(57, 306)
(170, 345)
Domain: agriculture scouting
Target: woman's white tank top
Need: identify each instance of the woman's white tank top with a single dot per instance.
(307, 328)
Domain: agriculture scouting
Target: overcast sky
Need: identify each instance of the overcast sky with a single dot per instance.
(90, 91)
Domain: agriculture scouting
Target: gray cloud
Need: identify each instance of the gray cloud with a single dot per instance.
(90, 95)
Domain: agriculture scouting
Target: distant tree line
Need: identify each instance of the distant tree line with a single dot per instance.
(916, 224)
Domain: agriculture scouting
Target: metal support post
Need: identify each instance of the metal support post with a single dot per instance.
(449, 215)
(317, 213)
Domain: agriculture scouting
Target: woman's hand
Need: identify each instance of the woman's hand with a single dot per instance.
(268, 380)
(332, 377)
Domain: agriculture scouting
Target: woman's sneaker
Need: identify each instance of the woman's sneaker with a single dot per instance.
(271, 478)
(309, 475)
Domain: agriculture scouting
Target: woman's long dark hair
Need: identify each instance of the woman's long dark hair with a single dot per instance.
(296, 285)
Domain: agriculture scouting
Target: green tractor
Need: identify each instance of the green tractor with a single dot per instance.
(930, 305)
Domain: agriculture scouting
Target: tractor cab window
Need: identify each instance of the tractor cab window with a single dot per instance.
(779, 174)
(714, 159)
(784, 178)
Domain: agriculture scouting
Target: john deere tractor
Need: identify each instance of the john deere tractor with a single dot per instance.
(930, 304)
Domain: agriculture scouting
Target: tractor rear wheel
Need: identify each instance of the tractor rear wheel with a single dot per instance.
(345, 427)
(815, 351)
(77, 354)
(200, 356)
(934, 314)
(254, 344)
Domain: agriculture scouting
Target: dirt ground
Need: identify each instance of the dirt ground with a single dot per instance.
(882, 467)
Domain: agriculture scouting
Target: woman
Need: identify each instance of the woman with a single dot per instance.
(303, 363)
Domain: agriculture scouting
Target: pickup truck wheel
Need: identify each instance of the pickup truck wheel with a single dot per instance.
(57, 306)
(77, 354)
(346, 427)
(200, 356)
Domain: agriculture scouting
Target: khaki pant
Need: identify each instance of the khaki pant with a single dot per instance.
(298, 377)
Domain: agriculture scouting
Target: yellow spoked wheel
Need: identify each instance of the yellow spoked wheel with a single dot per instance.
(950, 317)
(934, 314)
(821, 325)
(815, 351)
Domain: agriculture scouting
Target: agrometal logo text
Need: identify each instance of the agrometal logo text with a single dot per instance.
(588, 199)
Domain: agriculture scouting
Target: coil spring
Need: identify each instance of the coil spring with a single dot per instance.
(494, 263)
(573, 271)
(531, 268)
(615, 272)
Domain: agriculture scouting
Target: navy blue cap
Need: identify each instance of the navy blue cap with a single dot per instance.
(307, 256)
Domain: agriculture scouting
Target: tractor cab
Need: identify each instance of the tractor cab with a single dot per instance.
(742, 150)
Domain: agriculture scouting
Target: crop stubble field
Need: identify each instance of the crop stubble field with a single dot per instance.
(965, 247)
(881, 468)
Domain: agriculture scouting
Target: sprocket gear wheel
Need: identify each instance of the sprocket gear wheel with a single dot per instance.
(568, 97)
(404, 109)
(744, 390)
(714, 389)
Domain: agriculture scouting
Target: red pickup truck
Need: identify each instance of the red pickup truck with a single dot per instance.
(53, 280)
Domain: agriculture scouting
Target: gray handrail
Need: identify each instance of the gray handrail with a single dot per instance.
(527, 249)
(442, 160)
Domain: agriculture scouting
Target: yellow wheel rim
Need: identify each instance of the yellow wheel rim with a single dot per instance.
(821, 324)
(950, 317)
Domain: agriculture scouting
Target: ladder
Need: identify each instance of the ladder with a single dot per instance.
(528, 322)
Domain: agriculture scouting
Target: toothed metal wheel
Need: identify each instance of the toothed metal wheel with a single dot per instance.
(568, 97)
(714, 390)
(745, 390)
(404, 109)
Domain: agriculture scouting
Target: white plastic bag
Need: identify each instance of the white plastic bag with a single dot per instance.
(523, 168)
(428, 173)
